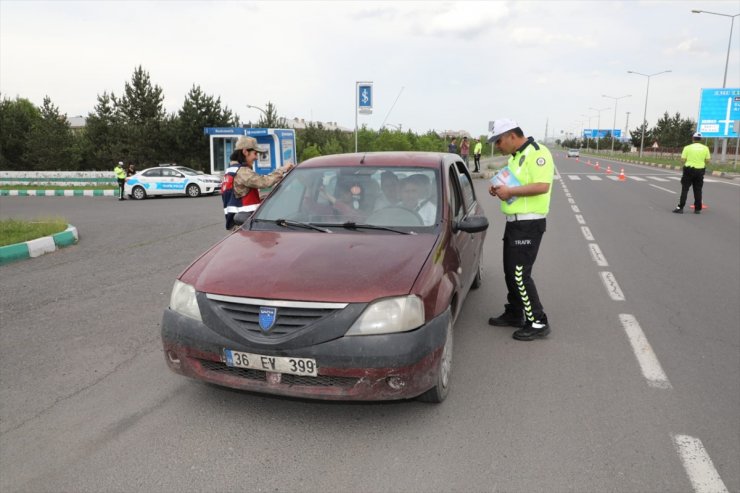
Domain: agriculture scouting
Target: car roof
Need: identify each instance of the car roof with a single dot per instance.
(383, 159)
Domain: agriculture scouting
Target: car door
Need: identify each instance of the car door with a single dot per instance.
(150, 179)
(464, 204)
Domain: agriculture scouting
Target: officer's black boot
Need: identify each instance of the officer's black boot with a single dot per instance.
(533, 330)
(510, 318)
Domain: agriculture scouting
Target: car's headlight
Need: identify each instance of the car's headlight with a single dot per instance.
(388, 316)
(183, 300)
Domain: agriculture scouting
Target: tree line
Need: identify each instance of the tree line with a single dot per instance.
(134, 127)
(670, 133)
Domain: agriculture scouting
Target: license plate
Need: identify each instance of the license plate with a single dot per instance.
(277, 364)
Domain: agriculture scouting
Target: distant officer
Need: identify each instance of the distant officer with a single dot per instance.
(695, 158)
(476, 154)
(121, 177)
(532, 165)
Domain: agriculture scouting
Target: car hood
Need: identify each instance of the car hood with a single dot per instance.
(337, 267)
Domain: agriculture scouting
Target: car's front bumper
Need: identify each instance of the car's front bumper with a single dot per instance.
(381, 367)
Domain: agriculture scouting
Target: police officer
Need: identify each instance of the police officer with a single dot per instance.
(695, 158)
(121, 177)
(476, 154)
(525, 206)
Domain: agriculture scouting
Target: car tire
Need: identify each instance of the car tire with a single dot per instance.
(478, 280)
(193, 190)
(439, 392)
(138, 193)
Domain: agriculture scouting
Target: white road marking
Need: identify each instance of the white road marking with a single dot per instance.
(612, 288)
(614, 178)
(699, 467)
(661, 188)
(657, 178)
(597, 255)
(587, 233)
(594, 178)
(676, 178)
(580, 219)
(571, 201)
(636, 178)
(575, 208)
(649, 364)
(573, 177)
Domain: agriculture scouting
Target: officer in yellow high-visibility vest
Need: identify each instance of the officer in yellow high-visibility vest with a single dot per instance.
(476, 154)
(695, 158)
(525, 201)
(121, 177)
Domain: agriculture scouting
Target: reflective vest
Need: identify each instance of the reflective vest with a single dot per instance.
(120, 174)
(531, 163)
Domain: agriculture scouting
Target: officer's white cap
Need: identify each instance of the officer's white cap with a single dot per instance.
(697, 135)
(500, 127)
(120, 163)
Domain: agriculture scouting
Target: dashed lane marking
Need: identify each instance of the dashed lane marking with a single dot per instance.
(699, 466)
(661, 188)
(649, 364)
(587, 233)
(597, 255)
(611, 285)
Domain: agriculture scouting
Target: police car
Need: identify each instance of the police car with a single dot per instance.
(170, 180)
(574, 153)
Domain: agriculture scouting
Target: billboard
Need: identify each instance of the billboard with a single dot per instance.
(718, 110)
(600, 133)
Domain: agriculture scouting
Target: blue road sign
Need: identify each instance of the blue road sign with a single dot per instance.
(365, 97)
(718, 109)
(594, 133)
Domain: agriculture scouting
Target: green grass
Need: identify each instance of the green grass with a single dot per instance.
(58, 187)
(15, 231)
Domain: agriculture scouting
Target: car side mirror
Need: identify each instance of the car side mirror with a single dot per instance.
(472, 224)
(242, 217)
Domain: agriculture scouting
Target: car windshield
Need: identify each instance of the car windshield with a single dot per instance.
(393, 197)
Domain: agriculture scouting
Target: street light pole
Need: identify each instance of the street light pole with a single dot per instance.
(644, 113)
(614, 123)
(727, 61)
(589, 128)
(598, 125)
(258, 108)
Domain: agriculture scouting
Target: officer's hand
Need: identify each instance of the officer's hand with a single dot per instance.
(503, 192)
(492, 190)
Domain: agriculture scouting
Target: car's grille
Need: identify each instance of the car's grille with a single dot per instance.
(286, 379)
(289, 319)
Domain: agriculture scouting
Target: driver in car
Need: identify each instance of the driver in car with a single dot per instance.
(415, 196)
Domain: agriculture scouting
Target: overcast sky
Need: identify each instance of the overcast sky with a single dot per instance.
(456, 65)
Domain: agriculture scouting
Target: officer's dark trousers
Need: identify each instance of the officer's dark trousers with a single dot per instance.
(521, 244)
(476, 160)
(692, 177)
(121, 184)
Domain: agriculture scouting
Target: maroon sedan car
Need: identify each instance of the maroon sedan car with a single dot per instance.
(344, 284)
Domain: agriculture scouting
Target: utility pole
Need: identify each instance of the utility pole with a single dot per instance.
(547, 123)
(627, 124)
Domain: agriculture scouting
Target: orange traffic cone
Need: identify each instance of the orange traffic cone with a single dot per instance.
(608, 169)
(621, 175)
(703, 206)
(578, 160)
(589, 162)
(597, 165)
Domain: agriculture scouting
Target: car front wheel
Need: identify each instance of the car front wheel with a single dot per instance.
(193, 190)
(439, 392)
(138, 193)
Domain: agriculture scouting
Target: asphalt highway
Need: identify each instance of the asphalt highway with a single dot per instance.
(637, 389)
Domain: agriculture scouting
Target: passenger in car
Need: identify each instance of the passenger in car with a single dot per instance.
(390, 186)
(415, 196)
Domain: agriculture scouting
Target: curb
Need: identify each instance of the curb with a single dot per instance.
(721, 174)
(58, 193)
(39, 246)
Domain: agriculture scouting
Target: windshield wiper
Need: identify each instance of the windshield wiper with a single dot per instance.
(289, 222)
(351, 225)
